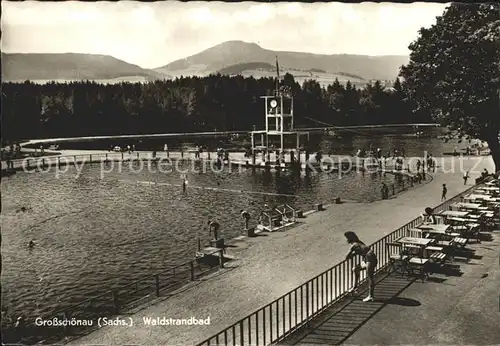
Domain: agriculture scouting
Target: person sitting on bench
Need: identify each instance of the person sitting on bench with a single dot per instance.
(429, 217)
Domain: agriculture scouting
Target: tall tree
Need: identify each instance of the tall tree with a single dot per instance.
(454, 72)
(336, 101)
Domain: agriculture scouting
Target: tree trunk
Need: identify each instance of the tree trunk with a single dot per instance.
(494, 146)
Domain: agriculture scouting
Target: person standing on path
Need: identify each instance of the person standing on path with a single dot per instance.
(385, 191)
(445, 191)
(213, 228)
(466, 176)
(246, 216)
(369, 262)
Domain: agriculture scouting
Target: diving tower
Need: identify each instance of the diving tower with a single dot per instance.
(279, 135)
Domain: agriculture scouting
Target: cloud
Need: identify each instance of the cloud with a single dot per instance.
(153, 34)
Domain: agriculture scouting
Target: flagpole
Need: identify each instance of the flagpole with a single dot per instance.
(277, 76)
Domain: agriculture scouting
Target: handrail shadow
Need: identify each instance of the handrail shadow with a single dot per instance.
(343, 323)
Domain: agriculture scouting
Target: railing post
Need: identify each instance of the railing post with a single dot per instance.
(43, 163)
(122, 155)
(106, 158)
(191, 270)
(157, 280)
(90, 157)
(115, 302)
(58, 162)
(307, 301)
(137, 156)
(242, 335)
(27, 164)
(393, 189)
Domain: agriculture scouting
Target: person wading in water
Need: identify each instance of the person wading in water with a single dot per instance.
(369, 262)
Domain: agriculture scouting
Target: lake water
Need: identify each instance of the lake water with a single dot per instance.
(93, 235)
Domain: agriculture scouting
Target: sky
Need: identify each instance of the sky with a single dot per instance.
(154, 34)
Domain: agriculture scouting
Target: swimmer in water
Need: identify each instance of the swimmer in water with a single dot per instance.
(19, 322)
(184, 184)
(31, 244)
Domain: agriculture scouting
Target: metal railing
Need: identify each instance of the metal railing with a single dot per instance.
(40, 162)
(285, 315)
(113, 302)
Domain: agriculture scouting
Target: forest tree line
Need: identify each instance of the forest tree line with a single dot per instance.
(190, 104)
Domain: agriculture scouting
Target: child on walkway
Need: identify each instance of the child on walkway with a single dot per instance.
(369, 262)
(466, 176)
(443, 195)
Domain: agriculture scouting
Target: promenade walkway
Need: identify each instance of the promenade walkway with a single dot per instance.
(270, 266)
(455, 309)
(87, 156)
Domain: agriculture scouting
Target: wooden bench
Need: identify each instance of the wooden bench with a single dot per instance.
(459, 242)
(397, 257)
(416, 231)
(444, 243)
(410, 246)
(420, 265)
(434, 248)
(438, 257)
(460, 228)
(436, 254)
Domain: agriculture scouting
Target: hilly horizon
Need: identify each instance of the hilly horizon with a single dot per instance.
(18, 67)
(228, 58)
(233, 53)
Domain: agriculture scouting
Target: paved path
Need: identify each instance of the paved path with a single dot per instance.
(87, 156)
(458, 308)
(447, 310)
(272, 265)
